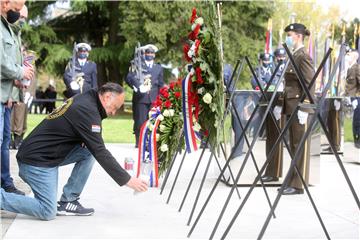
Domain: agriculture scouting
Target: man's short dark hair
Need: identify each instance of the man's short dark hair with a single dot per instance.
(110, 87)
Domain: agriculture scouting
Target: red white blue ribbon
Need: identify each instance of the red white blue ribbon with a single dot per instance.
(190, 137)
(149, 140)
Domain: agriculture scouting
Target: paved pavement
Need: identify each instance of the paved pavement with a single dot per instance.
(121, 214)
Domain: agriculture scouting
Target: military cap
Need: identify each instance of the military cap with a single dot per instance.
(265, 56)
(298, 28)
(150, 48)
(280, 52)
(348, 49)
(82, 47)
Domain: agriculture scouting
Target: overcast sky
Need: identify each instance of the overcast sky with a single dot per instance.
(350, 9)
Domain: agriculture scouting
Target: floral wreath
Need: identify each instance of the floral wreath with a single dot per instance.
(190, 109)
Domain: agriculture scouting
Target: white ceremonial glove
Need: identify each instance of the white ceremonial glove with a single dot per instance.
(135, 89)
(347, 100)
(74, 85)
(144, 88)
(337, 104)
(302, 116)
(277, 112)
(354, 103)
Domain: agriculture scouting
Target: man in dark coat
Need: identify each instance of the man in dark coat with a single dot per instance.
(146, 81)
(84, 76)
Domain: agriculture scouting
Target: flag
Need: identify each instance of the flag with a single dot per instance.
(327, 66)
(358, 42)
(310, 47)
(341, 73)
(281, 32)
(268, 42)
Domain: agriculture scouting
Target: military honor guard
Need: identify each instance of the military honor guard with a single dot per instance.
(263, 71)
(80, 73)
(290, 99)
(274, 169)
(352, 90)
(145, 78)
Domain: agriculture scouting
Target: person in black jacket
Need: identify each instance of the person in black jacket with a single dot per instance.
(70, 134)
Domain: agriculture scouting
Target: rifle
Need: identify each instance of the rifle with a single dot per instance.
(73, 72)
(138, 63)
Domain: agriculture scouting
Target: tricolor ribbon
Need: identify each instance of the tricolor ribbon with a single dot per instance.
(190, 137)
(149, 140)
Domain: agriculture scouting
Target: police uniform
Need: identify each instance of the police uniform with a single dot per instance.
(142, 101)
(352, 89)
(274, 169)
(263, 72)
(290, 100)
(86, 68)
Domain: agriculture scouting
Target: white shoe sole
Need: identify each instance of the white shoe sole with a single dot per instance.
(64, 213)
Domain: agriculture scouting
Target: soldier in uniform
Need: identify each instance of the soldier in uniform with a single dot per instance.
(291, 99)
(274, 169)
(352, 90)
(263, 72)
(84, 76)
(145, 90)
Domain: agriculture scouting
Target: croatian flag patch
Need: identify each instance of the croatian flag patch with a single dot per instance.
(95, 128)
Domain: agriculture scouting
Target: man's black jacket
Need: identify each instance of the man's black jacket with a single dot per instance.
(77, 121)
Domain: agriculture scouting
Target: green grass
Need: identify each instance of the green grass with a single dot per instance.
(348, 134)
(115, 130)
(119, 129)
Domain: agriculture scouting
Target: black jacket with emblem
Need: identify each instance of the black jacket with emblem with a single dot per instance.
(76, 122)
(293, 90)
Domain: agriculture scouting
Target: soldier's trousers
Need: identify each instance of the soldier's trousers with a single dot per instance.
(19, 119)
(356, 123)
(140, 115)
(334, 124)
(274, 168)
(296, 132)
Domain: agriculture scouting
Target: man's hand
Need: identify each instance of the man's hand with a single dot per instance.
(302, 116)
(137, 184)
(354, 103)
(18, 84)
(144, 88)
(337, 105)
(277, 112)
(29, 72)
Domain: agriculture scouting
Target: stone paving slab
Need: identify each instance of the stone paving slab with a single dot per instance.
(119, 214)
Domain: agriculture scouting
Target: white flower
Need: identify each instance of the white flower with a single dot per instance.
(172, 112)
(201, 90)
(164, 147)
(161, 117)
(151, 127)
(157, 137)
(200, 21)
(207, 98)
(162, 127)
(166, 113)
(193, 26)
(196, 127)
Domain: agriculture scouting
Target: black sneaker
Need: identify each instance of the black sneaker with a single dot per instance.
(73, 208)
(13, 189)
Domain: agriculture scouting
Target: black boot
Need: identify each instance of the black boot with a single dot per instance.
(17, 141)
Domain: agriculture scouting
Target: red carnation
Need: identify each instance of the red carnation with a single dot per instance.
(197, 44)
(193, 16)
(193, 35)
(165, 92)
(199, 79)
(186, 50)
(157, 102)
(206, 132)
(177, 94)
(167, 104)
(172, 85)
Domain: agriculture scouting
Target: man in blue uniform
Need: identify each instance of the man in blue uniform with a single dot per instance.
(145, 86)
(84, 76)
(263, 72)
(70, 134)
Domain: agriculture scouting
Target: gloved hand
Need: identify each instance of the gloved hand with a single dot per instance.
(302, 116)
(337, 104)
(277, 112)
(354, 103)
(74, 85)
(144, 88)
(347, 100)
